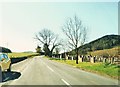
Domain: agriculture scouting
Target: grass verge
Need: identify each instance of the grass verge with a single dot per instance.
(22, 54)
(109, 70)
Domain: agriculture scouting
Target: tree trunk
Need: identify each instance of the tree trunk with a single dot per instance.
(50, 54)
(52, 50)
(46, 49)
(77, 54)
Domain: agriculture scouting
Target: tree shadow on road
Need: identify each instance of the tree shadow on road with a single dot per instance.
(6, 76)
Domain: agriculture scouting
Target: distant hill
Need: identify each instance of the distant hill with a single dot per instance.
(28, 52)
(105, 42)
(5, 50)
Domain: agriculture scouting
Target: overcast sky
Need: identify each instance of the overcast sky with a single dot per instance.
(20, 21)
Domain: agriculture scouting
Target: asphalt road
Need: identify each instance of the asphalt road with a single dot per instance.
(41, 71)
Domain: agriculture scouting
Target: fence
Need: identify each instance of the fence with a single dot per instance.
(89, 58)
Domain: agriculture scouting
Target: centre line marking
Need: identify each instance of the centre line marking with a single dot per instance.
(50, 69)
(66, 82)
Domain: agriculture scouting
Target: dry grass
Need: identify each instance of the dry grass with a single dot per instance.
(22, 54)
(106, 52)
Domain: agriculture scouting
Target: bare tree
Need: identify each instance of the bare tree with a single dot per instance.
(38, 49)
(76, 34)
(48, 38)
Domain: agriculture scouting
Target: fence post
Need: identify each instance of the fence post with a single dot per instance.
(80, 58)
(104, 60)
(100, 59)
(60, 56)
(112, 60)
(72, 57)
(92, 59)
(66, 56)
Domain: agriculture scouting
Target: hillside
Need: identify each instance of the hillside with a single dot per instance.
(5, 50)
(106, 52)
(105, 42)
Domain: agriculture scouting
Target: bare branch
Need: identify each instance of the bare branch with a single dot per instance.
(70, 43)
(75, 32)
(47, 38)
(39, 39)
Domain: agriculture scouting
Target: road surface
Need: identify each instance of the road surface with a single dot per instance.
(41, 71)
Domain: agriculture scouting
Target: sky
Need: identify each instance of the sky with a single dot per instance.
(20, 21)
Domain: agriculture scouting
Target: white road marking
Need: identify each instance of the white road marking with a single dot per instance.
(47, 66)
(66, 82)
(50, 69)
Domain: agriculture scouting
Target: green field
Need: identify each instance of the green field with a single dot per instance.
(21, 54)
(109, 70)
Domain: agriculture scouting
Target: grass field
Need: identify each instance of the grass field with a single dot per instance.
(99, 68)
(21, 54)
